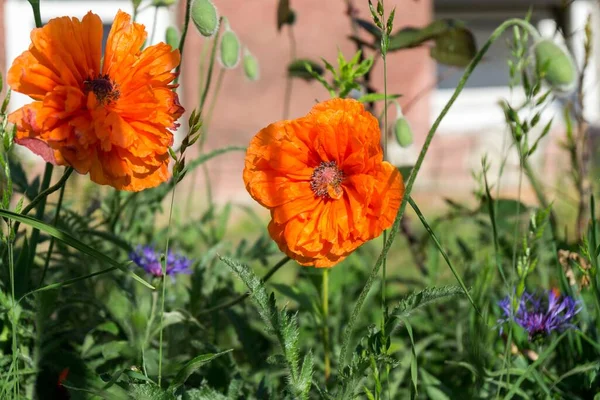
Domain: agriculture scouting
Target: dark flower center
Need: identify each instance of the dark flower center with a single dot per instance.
(105, 90)
(326, 180)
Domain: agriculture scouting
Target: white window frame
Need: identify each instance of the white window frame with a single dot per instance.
(476, 110)
(19, 22)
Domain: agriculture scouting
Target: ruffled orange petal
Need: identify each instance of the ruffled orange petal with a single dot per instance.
(65, 51)
(113, 124)
(336, 146)
(277, 169)
(123, 45)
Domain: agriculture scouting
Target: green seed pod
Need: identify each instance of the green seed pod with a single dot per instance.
(402, 129)
(172, 37)
(230, 49)
(555, 65)
(403, 132)
(163, 3)
(251, 68)
(205, 17)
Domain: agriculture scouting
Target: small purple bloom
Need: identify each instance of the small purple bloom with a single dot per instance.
(148, 258)
(541, 315)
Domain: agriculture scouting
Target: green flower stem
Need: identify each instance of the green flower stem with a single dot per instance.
(15, 348)
(35, 5)
(411, 180)
(325, 302)
(211, 65)
(287, 97)
(148, 329)
(37, 16)
(61, 195)
(186, 24)
(243, 297)
(385, 157)
(164, 285)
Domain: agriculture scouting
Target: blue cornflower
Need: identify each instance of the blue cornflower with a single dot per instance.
(541, 315)
(148, 258)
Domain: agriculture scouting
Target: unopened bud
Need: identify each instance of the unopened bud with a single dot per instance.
(172, 37)
(230, 49)
(251, 68)
(163, 3)
(555, 65)
(205, 17)
(402, 129)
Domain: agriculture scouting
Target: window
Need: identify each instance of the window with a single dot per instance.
(476, 110)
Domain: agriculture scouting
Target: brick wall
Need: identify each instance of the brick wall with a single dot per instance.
(322, 27)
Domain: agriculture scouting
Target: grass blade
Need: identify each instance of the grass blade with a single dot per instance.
(191, 366)
(443, 253)
(71, 241)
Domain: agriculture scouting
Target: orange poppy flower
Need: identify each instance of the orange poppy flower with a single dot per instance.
(110, 118)
(325, 182)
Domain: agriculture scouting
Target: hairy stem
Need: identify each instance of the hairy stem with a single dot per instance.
(325, 305)
(411, 180)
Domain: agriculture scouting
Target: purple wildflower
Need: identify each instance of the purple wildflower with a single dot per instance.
(148, 258)
(539, 315)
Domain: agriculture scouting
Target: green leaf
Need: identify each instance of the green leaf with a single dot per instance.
(191, 366)
(293, 292)
(280, 323)
(297, 69)
(169, 318)
(73, 242)
(542, 135)
(410, 37)
(373, 97)
(369, 27)
(455, 47)
(580, 369)
(306, 374)
(431, 385)
(204, 393)
(532, 367)
(145, 391)
(417, 300)
(118, 348)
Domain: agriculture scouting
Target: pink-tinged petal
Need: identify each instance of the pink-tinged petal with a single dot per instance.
(39, 147)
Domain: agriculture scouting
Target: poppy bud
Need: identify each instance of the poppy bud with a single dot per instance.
(251, 68)
(205, 17)
(555, 65)
(402, 129)
(172, 37)
(230, 48)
